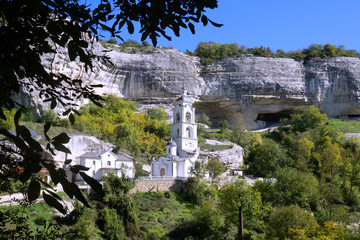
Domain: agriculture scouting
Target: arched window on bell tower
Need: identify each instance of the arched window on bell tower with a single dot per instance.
(177, 117)
(188, 132)
(177, 132)
(188, 117)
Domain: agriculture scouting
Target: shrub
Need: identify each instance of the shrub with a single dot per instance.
(286, 218)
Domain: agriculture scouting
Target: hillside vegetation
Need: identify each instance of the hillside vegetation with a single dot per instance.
(316, 194)
(211, 51)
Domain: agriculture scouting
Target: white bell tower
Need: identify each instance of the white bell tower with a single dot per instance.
(184, 128)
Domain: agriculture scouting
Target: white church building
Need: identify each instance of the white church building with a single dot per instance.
(182, 151)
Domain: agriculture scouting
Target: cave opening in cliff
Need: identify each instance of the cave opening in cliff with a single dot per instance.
(353, 116)
(274, 118)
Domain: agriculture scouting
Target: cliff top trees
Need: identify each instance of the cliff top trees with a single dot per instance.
(32, 30)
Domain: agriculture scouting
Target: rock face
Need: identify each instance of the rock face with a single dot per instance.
(231, 158)
(80, 144)
(257, 90)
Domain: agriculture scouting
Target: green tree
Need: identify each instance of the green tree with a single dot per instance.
(112, 41)
(284, 219)
(306, 119)
(113, 224)
(302, 152)
(195, 191)
(224, 128)
(293, 187)
(266, 157)
(215, 167)
(329, 50)
(207, 223)
(239, 135)
(235, 195)
(203, 118)
(157, 114)
(351, 172)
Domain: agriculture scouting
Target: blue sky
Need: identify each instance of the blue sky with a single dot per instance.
(278, 24)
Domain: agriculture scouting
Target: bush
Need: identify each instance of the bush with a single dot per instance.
(306, 119)
(286, 218)
(266, 157)
(48, 116)
(157, 114)
(112, 41)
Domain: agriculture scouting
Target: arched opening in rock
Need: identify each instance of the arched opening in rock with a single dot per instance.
(274, 118)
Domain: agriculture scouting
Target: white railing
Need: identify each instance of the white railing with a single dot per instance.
(160, 178)
(208, 179)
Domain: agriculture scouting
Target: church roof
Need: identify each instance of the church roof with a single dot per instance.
(185, 99)
(90, 155)
(123, 157)
(171, 143)
(193, 152)
(175, 158)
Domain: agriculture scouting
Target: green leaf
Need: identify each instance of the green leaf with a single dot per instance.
(61, 138)
(34, 190)
(67, 161)
(47, 127)
(192, 28)
(66, 112)
(71, 118)
(17, 117)
(95, 185)
(54, 195)
(53, 103)
(215, 24)
(130, 27)
(76, 168)
(60, 147)
(121, 24)
(51, 201)
(78, 194)
(204, 20)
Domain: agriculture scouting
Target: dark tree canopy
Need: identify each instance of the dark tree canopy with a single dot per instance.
(31, 29)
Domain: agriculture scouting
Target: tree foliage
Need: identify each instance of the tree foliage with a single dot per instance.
(286, 218)
(306, 119)
(117, 122)
(239, 194)
(212, 51)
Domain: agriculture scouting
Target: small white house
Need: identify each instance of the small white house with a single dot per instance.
(100, 164)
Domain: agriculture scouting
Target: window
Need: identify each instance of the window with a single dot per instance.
(177, 117)
(178, 132)
(188, 132)
(162, 172)
(188, 117)
(94, 163)
(109, 163)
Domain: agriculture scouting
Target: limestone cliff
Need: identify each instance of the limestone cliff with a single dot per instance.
(256, 89)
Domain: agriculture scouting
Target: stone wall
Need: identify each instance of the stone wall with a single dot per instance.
(175, 185)
(158, 185)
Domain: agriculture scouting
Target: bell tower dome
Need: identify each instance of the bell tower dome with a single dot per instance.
(184, 128)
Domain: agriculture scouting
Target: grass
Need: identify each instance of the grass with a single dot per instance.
(345, 126)
(160, 213)
(38, 213)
